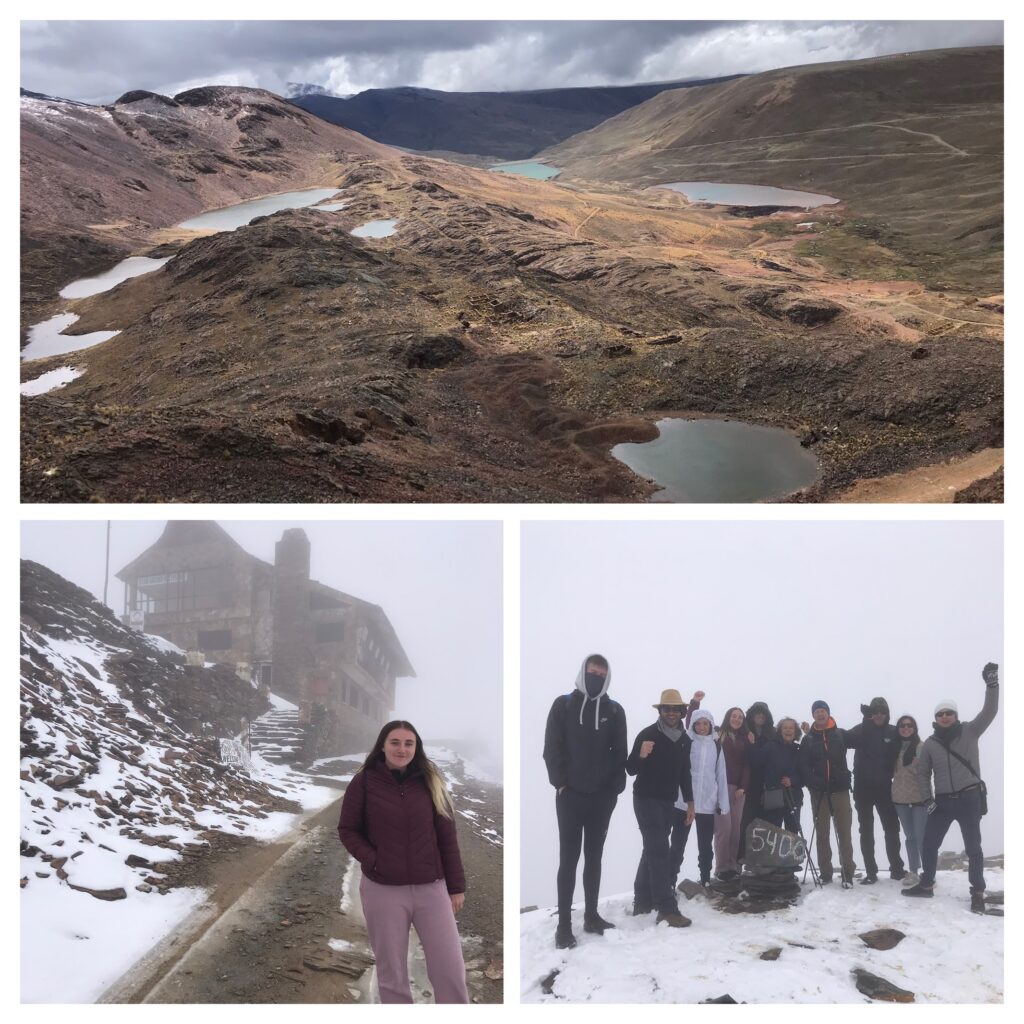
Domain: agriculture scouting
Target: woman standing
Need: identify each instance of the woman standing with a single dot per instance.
(397, 821)
(710, 792)
(911, 802)
(779, 764)
(760, 729)
(735, 748)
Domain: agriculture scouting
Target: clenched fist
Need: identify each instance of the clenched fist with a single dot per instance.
(646, 747)
(990, 673)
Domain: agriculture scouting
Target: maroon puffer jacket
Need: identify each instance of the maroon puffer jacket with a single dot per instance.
(392, 829)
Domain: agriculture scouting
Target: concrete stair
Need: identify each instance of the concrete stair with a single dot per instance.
(278, 737)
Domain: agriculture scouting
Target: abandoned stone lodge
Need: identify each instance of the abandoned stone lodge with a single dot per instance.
(333, 655)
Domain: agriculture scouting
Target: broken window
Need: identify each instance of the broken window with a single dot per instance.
(214, 640)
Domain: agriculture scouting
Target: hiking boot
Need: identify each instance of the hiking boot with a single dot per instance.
(869, 880)
(640, 909)
(727, 876)
(898, 875)
(564, 938)
(705, 884)
(920, 890)
(595, 923)
(978, 902)
(826, 879)
(673, 919)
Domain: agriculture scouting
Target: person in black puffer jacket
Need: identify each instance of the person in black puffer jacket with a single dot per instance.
(585, 753)
(824, 772)
(779, 765)
(760, 730)
(876, 744)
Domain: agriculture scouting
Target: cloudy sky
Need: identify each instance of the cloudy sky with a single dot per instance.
(96, 61)
(438, 582)
(775, 611)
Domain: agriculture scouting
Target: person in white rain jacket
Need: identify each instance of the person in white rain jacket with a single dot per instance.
(710, 794)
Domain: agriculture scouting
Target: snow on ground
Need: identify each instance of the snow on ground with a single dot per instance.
(949, 955)
(79, 948)
(446, 759)
(280, 704)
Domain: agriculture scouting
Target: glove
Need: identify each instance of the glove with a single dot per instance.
(930, 806)
(990, 673)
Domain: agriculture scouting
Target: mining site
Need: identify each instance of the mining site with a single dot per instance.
(502, 334)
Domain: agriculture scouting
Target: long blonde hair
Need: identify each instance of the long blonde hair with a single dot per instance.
(436, 787)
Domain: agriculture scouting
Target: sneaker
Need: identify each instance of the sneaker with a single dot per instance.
(847, 883)
(673, 919)
(596, 924)
(640, 909)
(978, 902)
(826, 879)
(727, 876)
(869, 880)
(564, 938)
(920, 890)
(910, 878)
(898, 875)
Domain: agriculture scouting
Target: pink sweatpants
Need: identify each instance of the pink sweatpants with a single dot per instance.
(727, 833)
(390, 910)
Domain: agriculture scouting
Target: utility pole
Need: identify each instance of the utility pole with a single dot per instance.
(106, 566)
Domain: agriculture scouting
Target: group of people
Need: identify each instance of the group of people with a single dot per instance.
(688, 771)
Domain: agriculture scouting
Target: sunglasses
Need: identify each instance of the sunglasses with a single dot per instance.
(906, 725)
(945, 714)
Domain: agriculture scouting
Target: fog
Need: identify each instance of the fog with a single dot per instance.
(439, 583)
(782, 612)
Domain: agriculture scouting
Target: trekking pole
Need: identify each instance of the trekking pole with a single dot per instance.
(814, 829)
(787, 796)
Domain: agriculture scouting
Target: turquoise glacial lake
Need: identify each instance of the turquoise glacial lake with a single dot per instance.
(528, 169)
(720, 461)
(746, 195)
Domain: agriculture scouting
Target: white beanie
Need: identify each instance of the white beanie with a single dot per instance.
(947, 705)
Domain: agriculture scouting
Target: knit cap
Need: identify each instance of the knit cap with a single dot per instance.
(946, 705)
(820, 704)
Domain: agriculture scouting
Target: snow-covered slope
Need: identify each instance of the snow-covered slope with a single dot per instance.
(121, 782)
(949, 955)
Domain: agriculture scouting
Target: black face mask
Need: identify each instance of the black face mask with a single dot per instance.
(594, 684)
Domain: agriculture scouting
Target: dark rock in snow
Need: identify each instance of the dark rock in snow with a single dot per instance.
(721, 999)
(772, 954)
(110, 895)
(878, 988)
(882, 938)
(548, 984)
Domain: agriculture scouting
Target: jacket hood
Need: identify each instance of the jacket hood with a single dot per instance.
(878, 704)
(694, 719)
(581, 683)
(759, 705)
(581, 686)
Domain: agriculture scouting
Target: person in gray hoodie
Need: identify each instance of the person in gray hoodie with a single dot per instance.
(585, 745)
(950, 755)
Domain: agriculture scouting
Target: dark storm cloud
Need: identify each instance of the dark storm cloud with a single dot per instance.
(98, 60)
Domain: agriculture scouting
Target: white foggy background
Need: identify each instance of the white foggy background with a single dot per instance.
(440, 584)
(775, 611)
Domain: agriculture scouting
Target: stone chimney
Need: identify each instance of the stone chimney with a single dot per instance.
(293, 626)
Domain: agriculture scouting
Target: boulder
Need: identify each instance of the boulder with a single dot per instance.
(882, 938)
(879, 989)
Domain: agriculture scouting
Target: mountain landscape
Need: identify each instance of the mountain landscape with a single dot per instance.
(511, 331)
(501, 125)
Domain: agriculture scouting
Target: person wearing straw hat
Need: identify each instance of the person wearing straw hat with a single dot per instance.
(660, 761)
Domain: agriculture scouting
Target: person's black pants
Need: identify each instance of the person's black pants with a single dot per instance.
(965, 809)
(705, 843)
(787, 817)
(652, 887)
(582, 824)
(867, 799)
(753, 807)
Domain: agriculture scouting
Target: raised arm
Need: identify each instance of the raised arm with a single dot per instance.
(990, 673)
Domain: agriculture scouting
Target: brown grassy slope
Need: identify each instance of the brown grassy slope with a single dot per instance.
(912, 143)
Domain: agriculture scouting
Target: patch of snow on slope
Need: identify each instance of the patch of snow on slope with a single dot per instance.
(949, 954)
